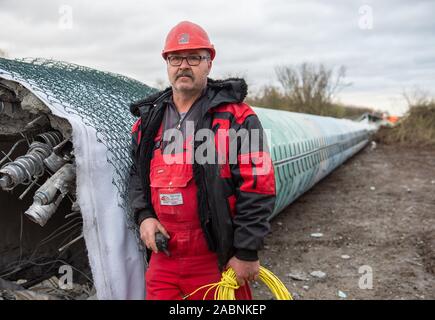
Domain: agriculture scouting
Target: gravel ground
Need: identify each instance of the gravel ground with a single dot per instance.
(369, 227)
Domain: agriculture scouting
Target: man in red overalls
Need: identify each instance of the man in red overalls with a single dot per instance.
(212, 205)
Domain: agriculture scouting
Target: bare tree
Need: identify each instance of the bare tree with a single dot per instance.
(417, 97)
(270, 97)
(311, 87)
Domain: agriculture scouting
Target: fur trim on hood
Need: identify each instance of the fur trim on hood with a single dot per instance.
(232, 90)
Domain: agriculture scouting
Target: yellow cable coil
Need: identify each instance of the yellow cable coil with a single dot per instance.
(225, 289)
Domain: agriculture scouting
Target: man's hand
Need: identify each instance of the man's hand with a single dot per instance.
(245, 270)
(148, 229)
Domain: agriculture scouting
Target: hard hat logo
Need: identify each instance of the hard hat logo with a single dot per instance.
(183, 38)
(187, 35)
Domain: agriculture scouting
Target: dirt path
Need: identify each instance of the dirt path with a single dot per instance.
(377, 210)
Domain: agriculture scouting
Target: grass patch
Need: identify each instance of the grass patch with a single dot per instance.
(417, 128)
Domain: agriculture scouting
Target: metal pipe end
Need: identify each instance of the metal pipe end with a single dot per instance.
(5, 182)
(39, 214)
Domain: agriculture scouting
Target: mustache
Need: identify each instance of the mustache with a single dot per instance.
(184, 74)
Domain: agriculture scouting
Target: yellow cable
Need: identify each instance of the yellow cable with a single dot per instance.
(226, 287)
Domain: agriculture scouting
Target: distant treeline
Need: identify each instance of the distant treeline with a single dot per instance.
(307, 88)
(272, 97)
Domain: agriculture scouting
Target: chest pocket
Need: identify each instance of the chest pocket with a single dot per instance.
(174, 192)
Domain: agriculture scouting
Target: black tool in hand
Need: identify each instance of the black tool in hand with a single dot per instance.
(162, 243)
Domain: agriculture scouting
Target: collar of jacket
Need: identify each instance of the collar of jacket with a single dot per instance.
(232, 90)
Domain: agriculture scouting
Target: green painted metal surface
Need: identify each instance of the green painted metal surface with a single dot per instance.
(305, 148)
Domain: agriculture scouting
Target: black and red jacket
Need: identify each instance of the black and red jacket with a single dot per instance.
(234, 202)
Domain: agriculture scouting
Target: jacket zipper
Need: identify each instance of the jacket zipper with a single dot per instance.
(180, 121)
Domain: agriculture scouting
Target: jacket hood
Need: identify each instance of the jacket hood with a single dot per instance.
(231, 90)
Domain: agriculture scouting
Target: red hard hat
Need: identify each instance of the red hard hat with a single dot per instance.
(187, 35)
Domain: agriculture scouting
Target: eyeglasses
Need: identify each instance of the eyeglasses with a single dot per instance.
(193, 60)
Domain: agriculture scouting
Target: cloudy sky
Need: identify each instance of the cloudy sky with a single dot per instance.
(386, 46)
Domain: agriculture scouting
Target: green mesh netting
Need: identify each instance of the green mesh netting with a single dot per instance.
(101, 99)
